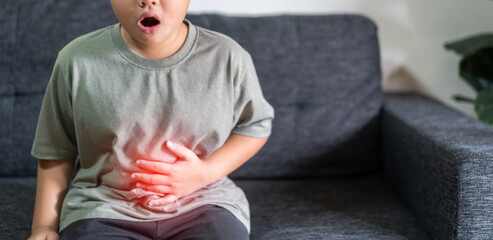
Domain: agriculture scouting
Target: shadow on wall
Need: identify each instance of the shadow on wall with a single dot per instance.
(400, 79)
(396, 43)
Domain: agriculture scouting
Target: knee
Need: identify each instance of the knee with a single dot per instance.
(220, 224)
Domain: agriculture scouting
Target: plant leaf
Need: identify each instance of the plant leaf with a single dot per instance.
(470, 44)
(484, 106)
(477, 69)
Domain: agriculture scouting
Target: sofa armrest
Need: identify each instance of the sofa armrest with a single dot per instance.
(440, 163)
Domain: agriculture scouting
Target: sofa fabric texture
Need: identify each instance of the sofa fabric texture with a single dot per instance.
(440, 161)
(344, 161)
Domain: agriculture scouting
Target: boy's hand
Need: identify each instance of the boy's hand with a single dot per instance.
(175, 180)
(43, 233)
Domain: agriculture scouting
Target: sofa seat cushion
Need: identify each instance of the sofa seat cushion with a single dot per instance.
(17, 205)
(360, 208)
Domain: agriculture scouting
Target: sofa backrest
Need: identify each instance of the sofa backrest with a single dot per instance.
(31, 34)
(321, 74)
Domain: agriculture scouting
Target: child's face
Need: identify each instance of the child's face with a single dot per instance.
(150, 21)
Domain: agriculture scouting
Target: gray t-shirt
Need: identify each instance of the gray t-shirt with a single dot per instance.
(111, 107)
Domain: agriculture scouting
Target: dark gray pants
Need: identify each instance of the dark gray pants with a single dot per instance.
(207, 222)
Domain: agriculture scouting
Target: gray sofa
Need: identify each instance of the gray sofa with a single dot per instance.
(345, 161)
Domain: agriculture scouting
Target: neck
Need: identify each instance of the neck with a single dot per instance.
(164, 49)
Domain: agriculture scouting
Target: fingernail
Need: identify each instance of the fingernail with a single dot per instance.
(170, 144)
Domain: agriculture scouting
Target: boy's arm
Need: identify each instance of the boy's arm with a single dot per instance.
(191, 173)
(52, 183)
(235, 152)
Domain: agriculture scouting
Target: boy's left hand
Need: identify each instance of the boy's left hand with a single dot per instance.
(175, 180)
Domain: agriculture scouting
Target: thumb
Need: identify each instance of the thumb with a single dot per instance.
(179, 150)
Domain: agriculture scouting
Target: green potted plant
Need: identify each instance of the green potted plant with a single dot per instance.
(476, 68)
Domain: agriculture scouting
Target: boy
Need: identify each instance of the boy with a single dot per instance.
(160, 112)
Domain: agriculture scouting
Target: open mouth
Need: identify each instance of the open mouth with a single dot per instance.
(149, 22)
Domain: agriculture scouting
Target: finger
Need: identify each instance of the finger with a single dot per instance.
(170, 198)
(155, 188)
(179, 150)
(161, 167)
(155, 179)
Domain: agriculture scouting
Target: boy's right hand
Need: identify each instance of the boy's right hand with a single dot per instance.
(43, 233)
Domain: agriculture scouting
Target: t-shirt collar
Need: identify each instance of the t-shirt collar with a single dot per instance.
(136, 59)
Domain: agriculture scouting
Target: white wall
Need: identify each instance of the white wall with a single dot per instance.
(412, 34)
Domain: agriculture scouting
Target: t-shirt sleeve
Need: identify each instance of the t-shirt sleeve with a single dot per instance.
(253, 115)
(55, 133)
